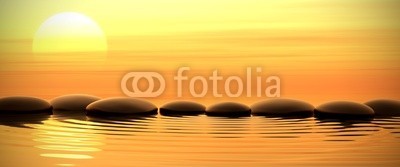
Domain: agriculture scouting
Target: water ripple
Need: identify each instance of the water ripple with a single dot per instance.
(205, 141)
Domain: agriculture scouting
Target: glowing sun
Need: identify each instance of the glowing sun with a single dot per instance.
(69, 32)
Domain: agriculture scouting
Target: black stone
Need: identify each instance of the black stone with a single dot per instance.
(121, 106)
(24, 105)
(228, 109)
(76, 103)
(343, 110)
(282, 108)
(182, 108)
(385, 107)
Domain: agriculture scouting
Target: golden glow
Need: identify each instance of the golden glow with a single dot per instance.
(69, 32)
(76, 140)
(322, 50)
(68, 156)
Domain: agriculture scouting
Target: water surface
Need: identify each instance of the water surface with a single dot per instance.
(199, 141)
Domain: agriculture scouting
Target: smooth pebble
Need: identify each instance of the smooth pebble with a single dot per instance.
(228, 109)
(24, 105)
(121, 106)
(282, 107)
(182, 108)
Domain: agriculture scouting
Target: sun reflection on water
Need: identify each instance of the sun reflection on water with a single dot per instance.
(68, 139)
(68, 156)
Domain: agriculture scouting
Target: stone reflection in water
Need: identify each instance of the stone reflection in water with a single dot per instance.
(62, 115)
(120, 125)
(282, 127)
(391, 124)
(226, 127)
(345, 129)
(21, 120)
(66, 141)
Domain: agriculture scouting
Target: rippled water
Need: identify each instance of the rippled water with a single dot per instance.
(199, 141)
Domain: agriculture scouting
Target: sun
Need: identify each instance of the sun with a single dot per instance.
(69, 32)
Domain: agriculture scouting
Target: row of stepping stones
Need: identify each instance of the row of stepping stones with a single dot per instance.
(127, 106)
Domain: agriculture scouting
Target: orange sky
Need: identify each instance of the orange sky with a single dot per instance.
(321, 50)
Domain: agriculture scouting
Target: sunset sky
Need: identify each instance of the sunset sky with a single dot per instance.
(321, 49)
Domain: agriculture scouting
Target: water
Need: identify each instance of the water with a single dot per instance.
(199, 141)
